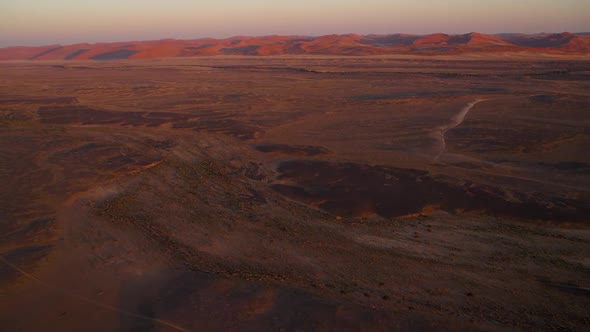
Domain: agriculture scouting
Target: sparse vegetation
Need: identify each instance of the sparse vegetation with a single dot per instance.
(279, 191)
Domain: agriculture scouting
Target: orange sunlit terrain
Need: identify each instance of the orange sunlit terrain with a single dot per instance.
(435, 44)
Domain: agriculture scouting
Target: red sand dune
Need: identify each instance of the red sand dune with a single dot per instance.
(471, 42)
(349, 44)
(478, 39)
(23, 53)
(436, 39)
(567, 42)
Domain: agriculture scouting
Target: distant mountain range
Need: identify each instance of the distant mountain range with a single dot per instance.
(349, 44)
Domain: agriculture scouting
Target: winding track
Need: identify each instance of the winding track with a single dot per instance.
(455, 122)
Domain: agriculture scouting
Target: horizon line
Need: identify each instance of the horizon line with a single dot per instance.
(288, 35)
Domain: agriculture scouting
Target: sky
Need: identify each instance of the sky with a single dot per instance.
(46, 22)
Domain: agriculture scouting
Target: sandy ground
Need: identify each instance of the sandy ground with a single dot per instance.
(295, 193)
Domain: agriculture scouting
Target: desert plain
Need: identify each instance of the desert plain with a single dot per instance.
(296, 193)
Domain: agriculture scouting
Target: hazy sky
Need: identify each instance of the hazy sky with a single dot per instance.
(41, 22)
